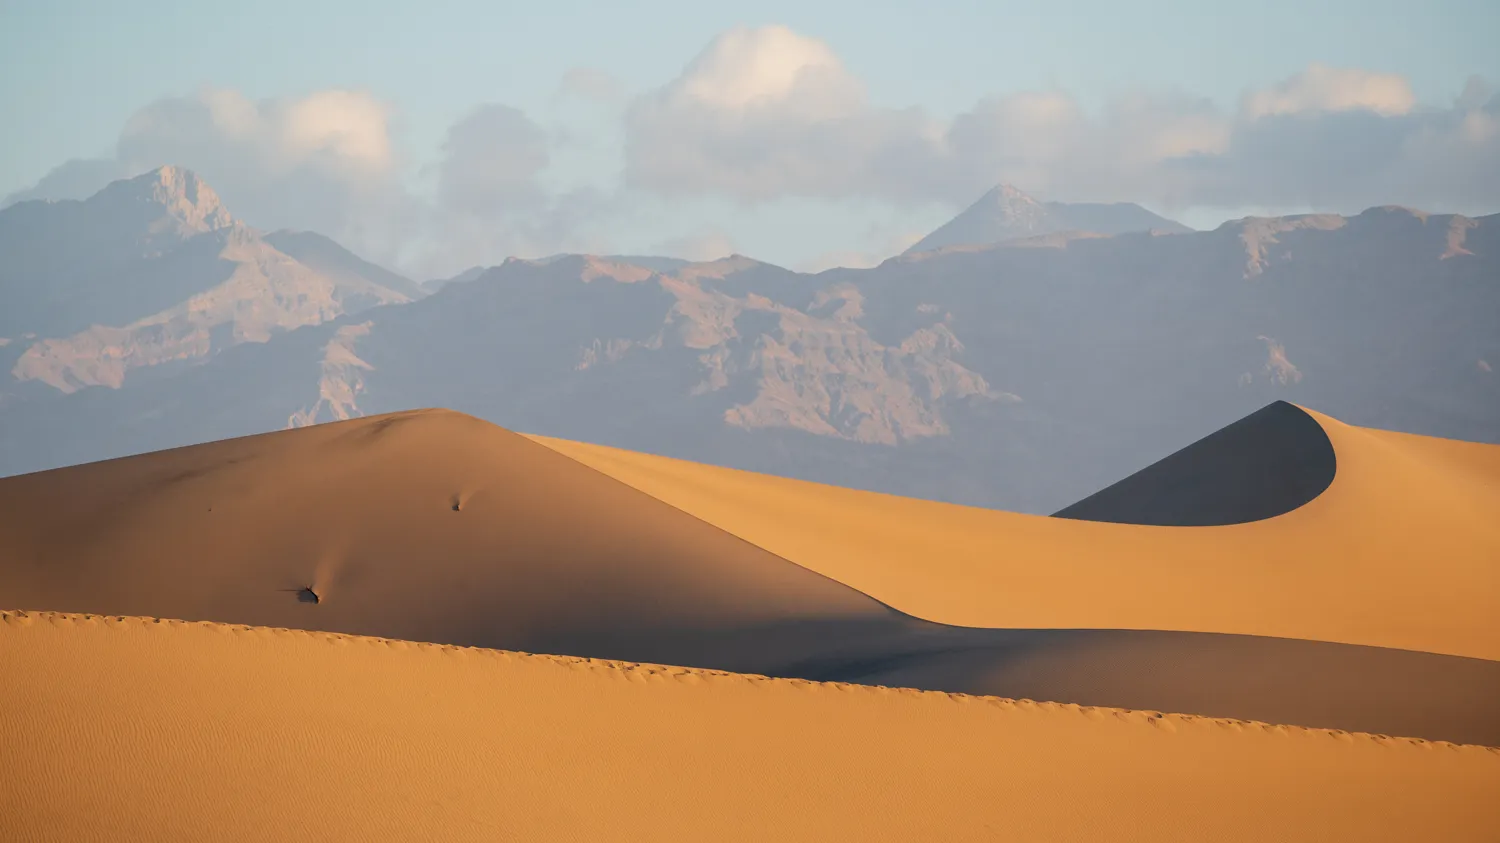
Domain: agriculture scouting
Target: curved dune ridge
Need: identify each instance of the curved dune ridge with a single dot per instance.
(435, 526)
(1399, 551)
(1266, 464)
(129, 728)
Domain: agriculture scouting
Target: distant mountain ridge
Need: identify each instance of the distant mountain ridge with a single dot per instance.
(1006, 213)
(1022, 375)
(155, 269)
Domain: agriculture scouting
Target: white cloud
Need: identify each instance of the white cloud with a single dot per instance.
(761, 113)
(340, 133)
(1324, 88)
(770, 67)
(767, 113)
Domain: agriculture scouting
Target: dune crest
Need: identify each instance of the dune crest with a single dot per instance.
(1341, 567)
(239, 733)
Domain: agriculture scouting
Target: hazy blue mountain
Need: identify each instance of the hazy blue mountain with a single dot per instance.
(154, 271)
(1005, 213)
(324, 256)
(434, 284)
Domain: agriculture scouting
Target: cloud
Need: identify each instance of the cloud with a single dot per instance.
(702, 246)
(767, 113)
(325, 161)
(328, 162)
(1323, 88)
(759, 114)
(490, 202)
(322, 161)
(334, 135)
(491, 159)
(770, 67)
(878, 245)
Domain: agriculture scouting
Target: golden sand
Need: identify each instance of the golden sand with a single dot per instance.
(129, 729)
(1370, 606)
(1402, 550)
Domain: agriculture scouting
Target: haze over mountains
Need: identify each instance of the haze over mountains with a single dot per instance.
(1022, 375)
(1005, 213)
(154, 270)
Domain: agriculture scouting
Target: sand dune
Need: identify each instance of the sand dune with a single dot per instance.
(425, 526)
(133, 729)
(1398, 551)
(1350, 582)
(352, 528)
(1266, 464)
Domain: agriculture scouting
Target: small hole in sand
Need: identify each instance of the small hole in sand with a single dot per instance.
(307, 595)
(457, 507)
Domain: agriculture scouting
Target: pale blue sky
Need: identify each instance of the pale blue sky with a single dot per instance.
(72, 72)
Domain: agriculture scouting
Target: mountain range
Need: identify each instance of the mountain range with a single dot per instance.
(1022, 374)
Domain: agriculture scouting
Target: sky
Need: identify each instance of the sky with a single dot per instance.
(437, 135)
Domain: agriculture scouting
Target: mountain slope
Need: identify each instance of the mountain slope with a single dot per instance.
(64, 261)
(331, 260)
(154, 270)
(1005, 213)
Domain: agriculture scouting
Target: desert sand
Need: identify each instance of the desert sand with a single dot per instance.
(1398, 551)
(126, 728)
(434, 526)
(1338, 579)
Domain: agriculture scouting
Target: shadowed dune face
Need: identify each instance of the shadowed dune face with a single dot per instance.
(1398, 551)
(205, 731)
(1275, 680)
(1266, 464)
(433, 526)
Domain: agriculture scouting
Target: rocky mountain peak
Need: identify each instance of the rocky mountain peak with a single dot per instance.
(175, 201)
(1009, 193)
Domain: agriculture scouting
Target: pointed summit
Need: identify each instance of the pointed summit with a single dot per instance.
(1007, 213)
(1007, 192)
(1013, 204)
(172, 201)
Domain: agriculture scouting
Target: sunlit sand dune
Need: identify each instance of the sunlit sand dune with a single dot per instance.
(434, 526)
(1400, 550)
(133, 729)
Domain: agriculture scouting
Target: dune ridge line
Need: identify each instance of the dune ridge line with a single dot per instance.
(1157, 719)
(1337, 568)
